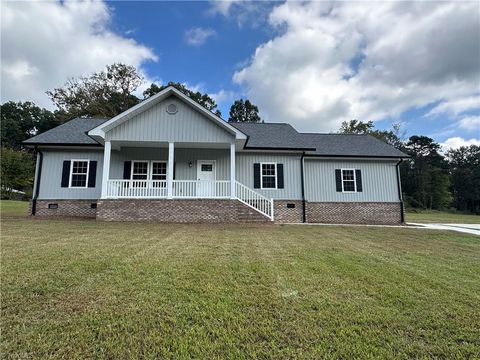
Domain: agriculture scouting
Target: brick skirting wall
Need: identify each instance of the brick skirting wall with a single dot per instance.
(66, 208)
(221, 211)
(178, 211)
(288, 211)
(353, 212)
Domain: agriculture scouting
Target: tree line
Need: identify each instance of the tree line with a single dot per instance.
(430, 179)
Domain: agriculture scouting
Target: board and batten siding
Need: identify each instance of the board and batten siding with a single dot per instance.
(51, 177)
(182, 158)
(155, 124)
(291, 173)
(379, 180)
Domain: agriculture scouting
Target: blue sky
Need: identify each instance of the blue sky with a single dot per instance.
(313, 64)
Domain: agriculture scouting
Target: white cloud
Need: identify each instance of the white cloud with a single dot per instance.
(456, 106)
(244, 12)
(198, 36)
(45, 43)
(456, 142)
(366, 60)
(471, 123)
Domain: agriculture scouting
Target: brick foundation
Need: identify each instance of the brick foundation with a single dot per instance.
(288, 211)
(66, 208)
(222, 211)
(178, 211)
(353, 212)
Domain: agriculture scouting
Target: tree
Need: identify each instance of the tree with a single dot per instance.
(464, 165)
(203, 99)
(425, 175)
(244, 111)
(392, 137)
(17, 171)
(103, 94)
(20, 121)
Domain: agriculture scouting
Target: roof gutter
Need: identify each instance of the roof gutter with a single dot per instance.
(38, 176)
(304, 215)
(399, 188)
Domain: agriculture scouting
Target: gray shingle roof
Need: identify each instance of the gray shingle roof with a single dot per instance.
(73, 132)
(272, 135)
(284, 136)
(349, 145)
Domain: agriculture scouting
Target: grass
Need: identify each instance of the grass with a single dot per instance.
(12, 208)
(84, 289)
(433, 216)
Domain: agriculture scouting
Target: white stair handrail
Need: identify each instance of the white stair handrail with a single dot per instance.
(254, 200)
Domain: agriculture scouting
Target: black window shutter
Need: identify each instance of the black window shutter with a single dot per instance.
(256, 176)
(66, 173)
(127, 168)
(358, 178)
(174, 168)
(280, 176)
(92, 174)
(338, 179)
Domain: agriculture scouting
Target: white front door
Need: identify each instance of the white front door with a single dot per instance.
(206, 176)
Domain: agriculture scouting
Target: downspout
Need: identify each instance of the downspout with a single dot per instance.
(399, 188)
(304, 215)
(37, 182)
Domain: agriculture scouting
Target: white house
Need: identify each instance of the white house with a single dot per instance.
(168, 159)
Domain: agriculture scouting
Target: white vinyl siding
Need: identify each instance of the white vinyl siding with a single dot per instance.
(379, 181)
(156, 124)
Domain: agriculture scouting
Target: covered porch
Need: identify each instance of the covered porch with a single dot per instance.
(169, 170)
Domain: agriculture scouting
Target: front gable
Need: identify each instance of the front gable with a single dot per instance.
(157, 124)
(152, 121)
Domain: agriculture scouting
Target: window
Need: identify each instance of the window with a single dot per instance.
(139, 172)
(348, 180)
(207, 167)
(268, 175)
(159, 173)
(79, 173)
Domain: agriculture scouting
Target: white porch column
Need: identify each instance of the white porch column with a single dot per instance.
(171, 160)
(106, 167)
(232, 171)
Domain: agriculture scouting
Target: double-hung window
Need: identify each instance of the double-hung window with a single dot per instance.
(268, 175)
(159, 173)
(79, 173)
(348, 180)
(139, 173)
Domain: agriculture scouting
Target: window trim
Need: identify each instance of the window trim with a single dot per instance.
(166, 172)
(275, 176)
(354, 180)
(71, 174)
(149, 169)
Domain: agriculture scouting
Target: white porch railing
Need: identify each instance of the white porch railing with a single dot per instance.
(136, 189)
(254, 200)
(199, 189)
(193, 189)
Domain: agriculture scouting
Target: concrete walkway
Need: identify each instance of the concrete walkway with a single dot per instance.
(464, 228)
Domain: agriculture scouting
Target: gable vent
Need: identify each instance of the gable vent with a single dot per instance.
(172, 109)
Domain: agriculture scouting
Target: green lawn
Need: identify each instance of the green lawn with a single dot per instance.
(432, 216)
(85, 289)
(11, 208)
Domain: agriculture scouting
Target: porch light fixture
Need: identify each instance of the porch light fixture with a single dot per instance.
(190, 164)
